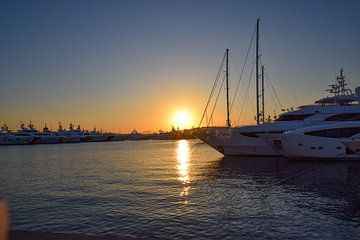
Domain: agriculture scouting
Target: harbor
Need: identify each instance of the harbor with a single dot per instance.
(204, 120)
(30, 136)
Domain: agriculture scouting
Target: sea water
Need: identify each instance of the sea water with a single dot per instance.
(179, 190)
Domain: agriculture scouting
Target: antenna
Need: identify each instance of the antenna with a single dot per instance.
(340, 87)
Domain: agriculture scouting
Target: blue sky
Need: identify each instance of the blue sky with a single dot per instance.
(132, 64)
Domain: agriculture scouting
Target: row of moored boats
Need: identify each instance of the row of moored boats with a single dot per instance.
(30, 135)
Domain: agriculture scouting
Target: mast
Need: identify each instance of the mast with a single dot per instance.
(262, 94)
(257, 72)
(227, 90)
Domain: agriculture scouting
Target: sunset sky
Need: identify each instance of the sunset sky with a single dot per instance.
(123, 65)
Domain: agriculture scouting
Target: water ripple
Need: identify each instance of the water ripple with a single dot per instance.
(171, 189)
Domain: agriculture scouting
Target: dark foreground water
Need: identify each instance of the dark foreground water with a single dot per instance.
(177, 189)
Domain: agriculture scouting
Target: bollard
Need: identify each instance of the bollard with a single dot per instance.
(4, 221)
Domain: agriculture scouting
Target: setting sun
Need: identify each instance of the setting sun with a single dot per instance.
(182, 120)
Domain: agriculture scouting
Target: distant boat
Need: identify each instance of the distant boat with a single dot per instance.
(30, 135)
(8, 138)
(45, 137)
(69, 136)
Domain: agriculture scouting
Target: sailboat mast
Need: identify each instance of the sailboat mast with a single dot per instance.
(227, 90)
(262, 94)
(257, 72)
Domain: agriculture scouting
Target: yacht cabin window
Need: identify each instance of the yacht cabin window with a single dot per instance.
(344, 117)
(293, 117)
(335, 132)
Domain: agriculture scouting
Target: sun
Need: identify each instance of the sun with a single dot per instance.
(182, 120)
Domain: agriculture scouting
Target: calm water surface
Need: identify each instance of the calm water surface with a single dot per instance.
(177, 189)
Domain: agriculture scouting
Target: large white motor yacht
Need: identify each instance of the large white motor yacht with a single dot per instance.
(70, 136)
(9, 138)
(44, 137)
(245, 140)
(337, 140)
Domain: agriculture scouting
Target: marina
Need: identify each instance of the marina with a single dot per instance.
(204, 120)
(30, 136)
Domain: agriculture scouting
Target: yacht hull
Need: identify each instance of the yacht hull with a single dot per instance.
(353, 145)
(230, 142)
(48, 140)
(298, 145)
(16, 140)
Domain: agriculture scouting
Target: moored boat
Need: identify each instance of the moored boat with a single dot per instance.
(69, 136)
(9, 138)
(245, 140)
(327, 141)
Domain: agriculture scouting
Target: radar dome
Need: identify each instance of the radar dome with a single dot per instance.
(357, 91)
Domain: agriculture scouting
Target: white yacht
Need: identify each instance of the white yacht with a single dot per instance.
(84, 136)
(71, 136)
(87, 136)
(9, 138)
(96, 136)
(44, 137)
(47, 137)
(27, 132)
(329, 141)
(343, 106)
(244, 140)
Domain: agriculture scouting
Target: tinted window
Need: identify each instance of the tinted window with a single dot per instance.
(344, 117)
(336, 132)
(254, 134)
(293, 117)
(250, 134)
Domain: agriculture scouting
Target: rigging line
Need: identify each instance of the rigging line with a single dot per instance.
(217, 98)
(283, 84)
(247, 91)
(195, 147)
(242, 70)
(272, 96)
(213, 88)
(233, 66)
(306, 170)
(274, 91)
(242, 107)
(301, 170)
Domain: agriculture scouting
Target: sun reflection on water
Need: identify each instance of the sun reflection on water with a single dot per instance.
(183, 157)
